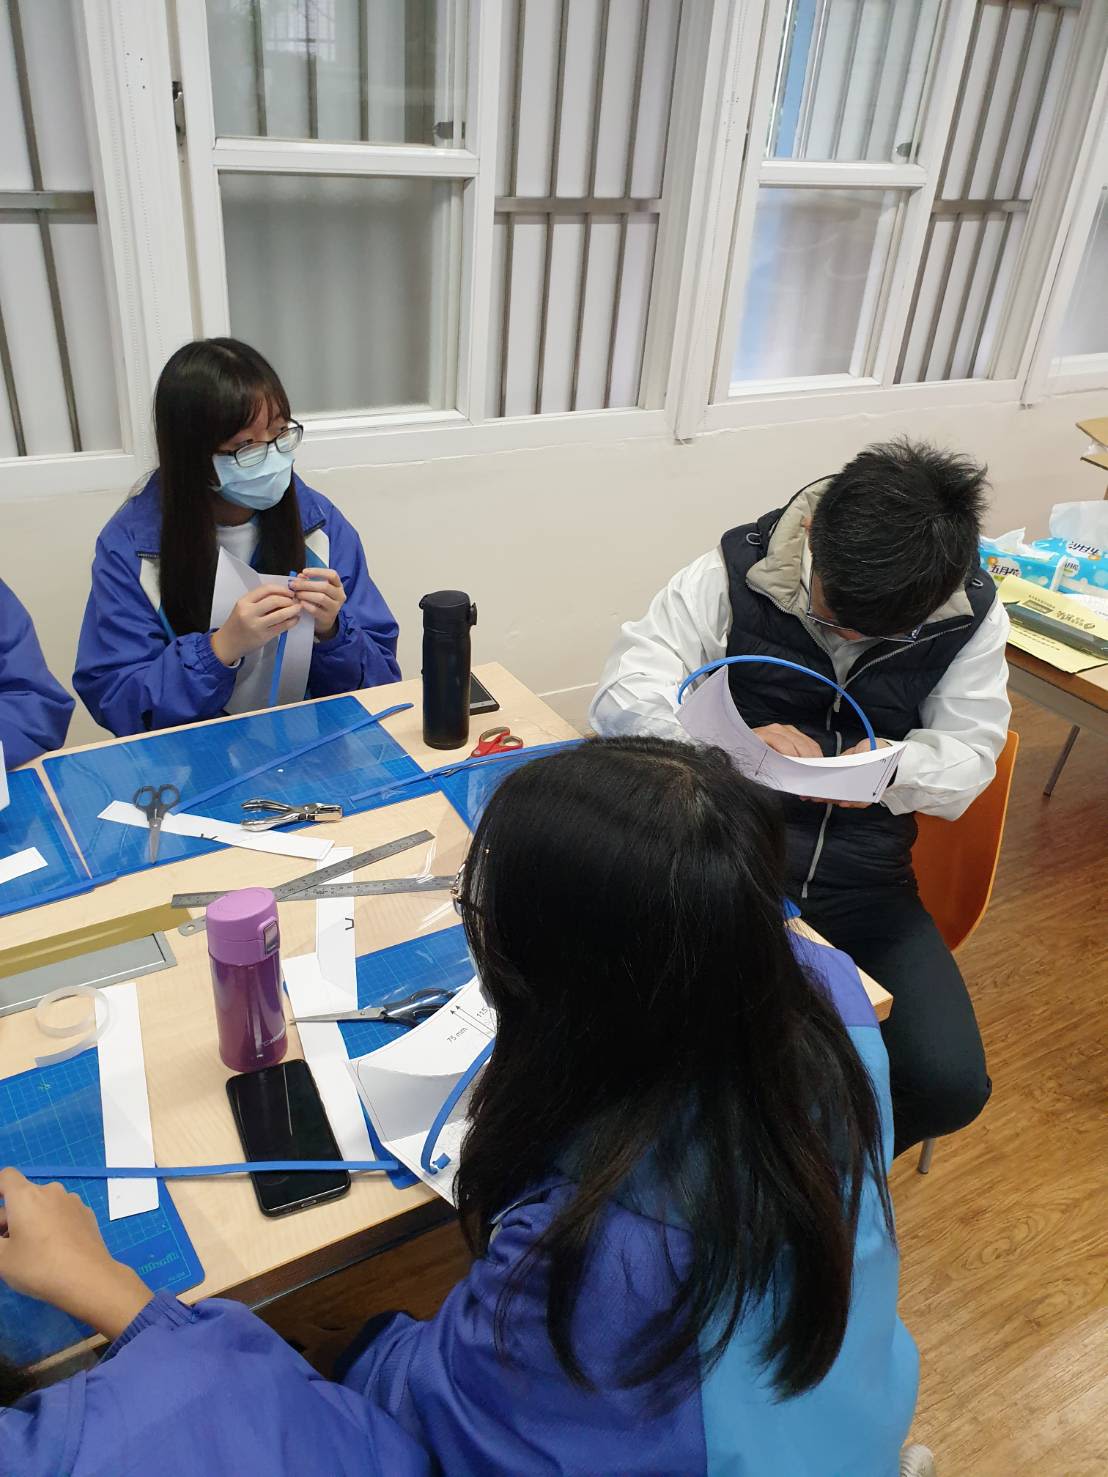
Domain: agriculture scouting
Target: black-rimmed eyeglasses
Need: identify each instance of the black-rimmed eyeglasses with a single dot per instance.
(905, 638)
(253, 453)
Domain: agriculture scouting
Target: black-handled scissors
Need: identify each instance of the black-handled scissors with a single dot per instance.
(155, 802)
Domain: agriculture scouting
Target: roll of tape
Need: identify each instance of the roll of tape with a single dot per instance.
(88, 1029)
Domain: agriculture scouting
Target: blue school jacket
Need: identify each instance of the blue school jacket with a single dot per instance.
(134, 673)
(208, 1390)
(445, 1382)
(34, 708)
(213, 1390)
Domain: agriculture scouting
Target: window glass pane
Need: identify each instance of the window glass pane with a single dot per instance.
(817, 269)
(850, 79)
(58, 390)
(1085, 330)
(382, 71)
(348, 284)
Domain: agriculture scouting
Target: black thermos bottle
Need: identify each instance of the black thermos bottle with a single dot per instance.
(447, 617)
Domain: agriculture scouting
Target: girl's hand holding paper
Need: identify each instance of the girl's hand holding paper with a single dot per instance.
(256, 618)
(320, 592)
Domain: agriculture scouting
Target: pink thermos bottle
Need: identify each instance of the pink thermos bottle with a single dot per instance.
(244, 944)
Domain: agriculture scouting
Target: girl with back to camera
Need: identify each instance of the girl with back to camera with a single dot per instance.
(674, 1177)
(148, 656)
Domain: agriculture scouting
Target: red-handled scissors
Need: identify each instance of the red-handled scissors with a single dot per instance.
(496, 741)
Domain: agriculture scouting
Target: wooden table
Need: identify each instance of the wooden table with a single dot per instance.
(244, 1254)
(1079, 697)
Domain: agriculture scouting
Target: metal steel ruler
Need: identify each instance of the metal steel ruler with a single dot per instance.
(332, 889)
(299, 887)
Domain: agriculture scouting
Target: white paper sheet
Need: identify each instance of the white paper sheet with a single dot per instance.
(20, 863)
(325, 1053)
(206, 828)
(125, 1102)
(406, 1082)
(710, 716)
(5, 798)
(254, 679)
(334, 939)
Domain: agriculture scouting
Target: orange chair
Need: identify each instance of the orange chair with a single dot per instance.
(955, 864)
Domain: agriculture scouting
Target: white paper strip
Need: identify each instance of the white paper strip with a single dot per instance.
(325, 1053)
(128, 1136)
(334, 939)
(206, 828)
(4, 796)
(20, 863)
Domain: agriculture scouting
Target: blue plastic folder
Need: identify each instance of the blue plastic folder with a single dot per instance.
(31, 820)
(194, 759)
(436, 960)
(53, 1114)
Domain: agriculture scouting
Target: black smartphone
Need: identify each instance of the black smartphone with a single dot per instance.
(279, 1115)
(481, 699)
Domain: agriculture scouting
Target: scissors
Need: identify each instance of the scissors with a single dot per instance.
(406, 1012)
(155, 802)
(496, 741)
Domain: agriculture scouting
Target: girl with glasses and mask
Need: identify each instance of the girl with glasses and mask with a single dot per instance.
(148, 655)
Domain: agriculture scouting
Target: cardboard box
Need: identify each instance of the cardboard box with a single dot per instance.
(1097, 452)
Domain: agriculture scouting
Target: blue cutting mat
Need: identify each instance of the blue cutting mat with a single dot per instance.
(468, 790)
(439, 959)
(197, 758)
(31, 820)
(53, 1115)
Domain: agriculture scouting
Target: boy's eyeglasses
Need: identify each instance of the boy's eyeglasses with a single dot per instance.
(255, 452)
(904, 638)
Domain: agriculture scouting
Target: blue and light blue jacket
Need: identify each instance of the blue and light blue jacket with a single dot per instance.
(34, 708)
(134, 673)
(446, 1383)
(214, 1390)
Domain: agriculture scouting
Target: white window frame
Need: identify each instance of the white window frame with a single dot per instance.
(123, 55)
(738, 98)
(1051, 374)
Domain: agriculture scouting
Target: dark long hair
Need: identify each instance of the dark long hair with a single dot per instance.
(207, 391)
(623, 903)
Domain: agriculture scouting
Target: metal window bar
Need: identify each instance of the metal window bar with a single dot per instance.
(847, 73)
(628, 172)
(548, 242)
(979, 209)
(586, 243)
(259, 67)
(513, 177)
(41, 215)
(312, 69)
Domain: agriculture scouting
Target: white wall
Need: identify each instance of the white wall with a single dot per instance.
(559, 546)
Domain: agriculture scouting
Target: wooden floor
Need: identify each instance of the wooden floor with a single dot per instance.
(1005, 1242)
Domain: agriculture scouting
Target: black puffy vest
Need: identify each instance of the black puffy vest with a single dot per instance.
(833, 846)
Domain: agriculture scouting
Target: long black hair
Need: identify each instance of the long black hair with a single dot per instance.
(207, 391)
(623, 904)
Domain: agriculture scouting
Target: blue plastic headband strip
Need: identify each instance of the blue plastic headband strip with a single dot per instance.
(201, 1171)
(428, 1165)
(316, 743)
(278, 663)
(430, 775)
(778, 661)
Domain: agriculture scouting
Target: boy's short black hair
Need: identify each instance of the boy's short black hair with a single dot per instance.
(896, 533)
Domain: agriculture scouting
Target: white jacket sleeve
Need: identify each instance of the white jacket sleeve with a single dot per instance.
(685, 627)
(951, 758)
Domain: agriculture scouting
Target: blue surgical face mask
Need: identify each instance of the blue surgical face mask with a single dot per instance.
(257, 487)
